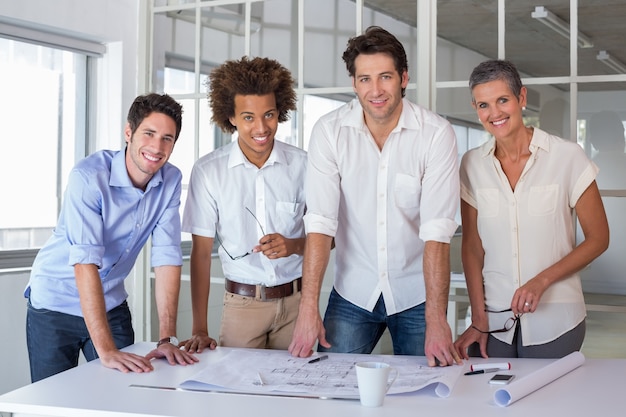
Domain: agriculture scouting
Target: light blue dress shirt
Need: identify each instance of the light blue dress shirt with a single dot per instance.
(106, 221)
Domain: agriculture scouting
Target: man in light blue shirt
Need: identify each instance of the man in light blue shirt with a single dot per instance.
(114, 201)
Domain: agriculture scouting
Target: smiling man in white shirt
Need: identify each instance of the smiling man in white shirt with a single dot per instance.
(247, 199)
(382, 180)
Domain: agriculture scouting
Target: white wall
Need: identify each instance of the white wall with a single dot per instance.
(113, 22)
(14, 368)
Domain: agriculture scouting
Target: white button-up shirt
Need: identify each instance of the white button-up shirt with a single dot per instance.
(381, 206)
(224, 184)
(527, 230)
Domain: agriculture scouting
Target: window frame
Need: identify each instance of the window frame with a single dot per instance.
(24, 32)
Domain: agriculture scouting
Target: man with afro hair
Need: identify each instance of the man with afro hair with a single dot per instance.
(247, 198)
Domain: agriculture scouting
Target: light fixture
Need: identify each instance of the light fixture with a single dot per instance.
(558, 25)
(226, 21)
(611, 62)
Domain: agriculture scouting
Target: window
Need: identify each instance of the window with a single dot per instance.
(44, 93)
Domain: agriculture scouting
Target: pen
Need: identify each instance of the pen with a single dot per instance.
(261, 378)
(482, 371)
(319, 358)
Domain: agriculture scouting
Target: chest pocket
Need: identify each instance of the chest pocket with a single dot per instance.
(542, 199)
(288, 218)
(406, 191)
(487, 200)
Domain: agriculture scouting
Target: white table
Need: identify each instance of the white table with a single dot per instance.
(91, 390)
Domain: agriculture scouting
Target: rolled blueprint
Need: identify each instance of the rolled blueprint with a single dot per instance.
(503, 366)
(531, 383)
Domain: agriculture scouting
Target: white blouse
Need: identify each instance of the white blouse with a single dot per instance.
(527, 230)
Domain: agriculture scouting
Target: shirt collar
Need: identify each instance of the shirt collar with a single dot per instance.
(237, 157)
(538, 141)
(354, 118)
(119, 173)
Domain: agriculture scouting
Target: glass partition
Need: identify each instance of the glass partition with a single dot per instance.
(602, 118)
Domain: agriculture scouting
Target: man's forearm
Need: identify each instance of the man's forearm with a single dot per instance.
(167, 289)
(436, 278)
(93, 307)
(316, 257)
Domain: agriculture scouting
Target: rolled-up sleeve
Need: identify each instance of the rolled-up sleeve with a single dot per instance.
(84, 229)
(322, 184)
(440, 189)
(166, 236)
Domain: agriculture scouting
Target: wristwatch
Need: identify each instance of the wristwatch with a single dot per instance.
(170, 339)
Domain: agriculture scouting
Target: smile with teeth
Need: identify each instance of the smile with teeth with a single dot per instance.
(499, 122)
(151, 157)
(259, 138)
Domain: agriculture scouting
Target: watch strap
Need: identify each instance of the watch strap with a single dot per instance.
(169, 339)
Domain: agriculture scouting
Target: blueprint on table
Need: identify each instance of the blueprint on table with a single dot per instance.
(277, 372)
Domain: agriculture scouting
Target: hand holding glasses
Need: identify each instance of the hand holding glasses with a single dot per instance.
(508, 325)
(234, 258)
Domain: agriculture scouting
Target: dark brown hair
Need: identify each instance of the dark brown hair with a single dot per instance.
(143, 106)
(376, 40)
(256, 76)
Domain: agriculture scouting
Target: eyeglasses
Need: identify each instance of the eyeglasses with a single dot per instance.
(234, 258)
(508, 325)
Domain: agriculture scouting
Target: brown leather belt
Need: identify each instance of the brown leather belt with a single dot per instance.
(263, 293)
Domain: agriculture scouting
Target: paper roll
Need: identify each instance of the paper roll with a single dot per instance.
(501, 366)
(531, 383)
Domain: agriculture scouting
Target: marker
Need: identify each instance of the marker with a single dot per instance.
(482, 371)
(500, 366)
(319, 358)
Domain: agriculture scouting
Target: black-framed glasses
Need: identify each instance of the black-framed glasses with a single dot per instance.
(508, 324)
(234, 258)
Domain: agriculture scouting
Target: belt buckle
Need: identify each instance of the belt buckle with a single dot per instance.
(260, 292)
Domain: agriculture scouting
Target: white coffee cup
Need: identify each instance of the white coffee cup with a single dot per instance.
(373, 381)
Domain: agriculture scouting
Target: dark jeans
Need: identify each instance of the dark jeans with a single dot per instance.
(55, 339)
(351, 329)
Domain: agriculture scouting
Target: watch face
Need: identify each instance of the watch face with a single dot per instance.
(172, 339)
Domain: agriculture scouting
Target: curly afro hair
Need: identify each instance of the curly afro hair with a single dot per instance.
(256, 76)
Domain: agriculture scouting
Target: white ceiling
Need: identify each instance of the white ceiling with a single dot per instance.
(536, 50)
